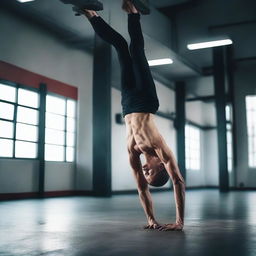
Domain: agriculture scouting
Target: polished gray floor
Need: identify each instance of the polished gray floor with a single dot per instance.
(216, 224)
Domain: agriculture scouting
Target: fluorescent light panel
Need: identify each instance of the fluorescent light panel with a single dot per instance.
(24, 1)
(209, 44)
(160, 62)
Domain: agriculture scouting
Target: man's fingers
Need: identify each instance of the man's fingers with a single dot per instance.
(168, 227)
(156, 226)
(153, 226)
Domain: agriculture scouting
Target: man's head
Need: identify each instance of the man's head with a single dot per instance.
(155, 172)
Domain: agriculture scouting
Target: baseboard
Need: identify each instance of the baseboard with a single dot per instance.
(134, 191)
(243, 188)
(202, 187)
(17, 196)
(50, 194)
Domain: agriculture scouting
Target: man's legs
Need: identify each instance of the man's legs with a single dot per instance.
(108, 34)
(143, 76)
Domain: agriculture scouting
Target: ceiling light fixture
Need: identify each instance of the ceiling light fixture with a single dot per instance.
(24, 1)
(160, 62)
(209, 44)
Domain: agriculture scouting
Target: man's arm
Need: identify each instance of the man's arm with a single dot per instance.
(167, 157)
(143, 190)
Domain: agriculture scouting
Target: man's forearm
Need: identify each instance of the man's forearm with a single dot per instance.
(179, 195)
(179, 190)
(146, 202)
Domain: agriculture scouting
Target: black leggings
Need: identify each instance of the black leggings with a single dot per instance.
(137, 84)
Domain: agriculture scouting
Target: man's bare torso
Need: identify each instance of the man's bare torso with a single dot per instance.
(142, 133)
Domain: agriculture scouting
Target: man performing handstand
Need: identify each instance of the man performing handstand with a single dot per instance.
(140, 103)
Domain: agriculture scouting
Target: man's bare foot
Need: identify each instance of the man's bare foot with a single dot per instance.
(129, 7)
(90, 13)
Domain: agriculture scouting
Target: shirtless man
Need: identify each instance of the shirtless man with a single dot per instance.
(140, 103)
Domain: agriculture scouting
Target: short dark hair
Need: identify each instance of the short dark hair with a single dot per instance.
(160, 179)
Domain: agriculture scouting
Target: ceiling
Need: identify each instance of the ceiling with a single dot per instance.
(58, 19)
(196, 20)
(165, 3)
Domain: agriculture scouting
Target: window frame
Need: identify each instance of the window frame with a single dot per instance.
(14, 121)
(65, 129)
(39, 125)
(200, 148)
(247, 132)
(229, 130)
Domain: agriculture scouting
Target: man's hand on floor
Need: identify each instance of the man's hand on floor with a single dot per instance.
(152, 224)
(171, 227)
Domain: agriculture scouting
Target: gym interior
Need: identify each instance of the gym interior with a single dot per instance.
(66, 186)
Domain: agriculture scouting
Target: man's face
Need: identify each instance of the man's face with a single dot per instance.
(151, 168)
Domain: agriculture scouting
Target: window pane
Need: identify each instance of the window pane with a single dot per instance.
(250, 102)
(192, 144)
(193, 165)
(55, 121)
(55, 105)
(70, 137)
(28, 98)
(229, 164)
(186, 131)
(229, 137)
(7, 93)
(228, 113)
(26, 115)
(6, 129)
(26, 132)
(70, 124)
(25, 149)
(54, 153)
(187, 163)
(71, 108)
(70, 154)
(6, 147)
(251, 129)
(228, 127)
(54, 137)
(229, 150)
(6, 111)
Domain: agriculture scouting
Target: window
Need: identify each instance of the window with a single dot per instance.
(60, 129)
(19, 110)
(251, 129)
(229, 148)
(229, 138)
(19, 124)
(192, 143)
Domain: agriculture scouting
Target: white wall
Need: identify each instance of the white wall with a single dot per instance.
(18, 176)
(122, 177)
(30, 47)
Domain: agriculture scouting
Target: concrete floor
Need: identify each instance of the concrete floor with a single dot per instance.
(216, 224)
